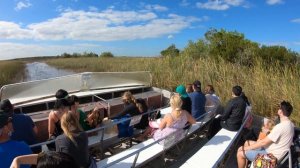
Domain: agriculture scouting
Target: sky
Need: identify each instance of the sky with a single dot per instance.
(138, 28)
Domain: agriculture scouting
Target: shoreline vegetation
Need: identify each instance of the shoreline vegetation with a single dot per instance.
(11, 72)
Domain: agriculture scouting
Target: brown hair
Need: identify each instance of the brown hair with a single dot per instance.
(70, 125)
(209, 89)
(189, 88)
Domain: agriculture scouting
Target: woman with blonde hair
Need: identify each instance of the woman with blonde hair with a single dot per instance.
(174, 121)
(73, 141)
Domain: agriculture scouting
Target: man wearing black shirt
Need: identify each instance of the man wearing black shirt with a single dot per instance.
(232, 116)
(234, 112)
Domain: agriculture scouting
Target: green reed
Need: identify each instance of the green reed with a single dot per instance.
(11, 72)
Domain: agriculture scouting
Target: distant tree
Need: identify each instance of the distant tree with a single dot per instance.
(90, 54)
(106, 55)
(66, 55)
(196, 49)
(170, 51)
(231, 46)
(271, 54)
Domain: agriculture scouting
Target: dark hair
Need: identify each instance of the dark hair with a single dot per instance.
(141, 104)
(60, 94)
(60, 103)
(245, 98)
(52, 159)
(286, 108)
(6, 106)
(237, 90)
(72, 100)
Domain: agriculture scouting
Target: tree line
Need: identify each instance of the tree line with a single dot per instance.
(86, 54)
(233, 47)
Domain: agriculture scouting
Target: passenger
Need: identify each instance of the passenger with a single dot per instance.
(61, 94)
(232, 117)
(49, 159)
(186, 100)
(143, 108)
(78, 113)
(73, 141)
(24, 128)
(266, 129)
(9, 149)
(198, 100)
(174, 121)
(212, 100)
(189, 88)
(130, 105)
(130, 109)
(277, 142)
(61, 106)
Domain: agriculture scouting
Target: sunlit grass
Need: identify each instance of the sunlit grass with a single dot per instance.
(10, 71)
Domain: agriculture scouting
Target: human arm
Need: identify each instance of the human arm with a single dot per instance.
(227, 111)
(190, 118)
(24, 159)
(51, 124)
(163, 122)
(259, 144)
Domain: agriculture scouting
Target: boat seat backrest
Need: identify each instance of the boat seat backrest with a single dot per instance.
(143, 152)
(213, 152)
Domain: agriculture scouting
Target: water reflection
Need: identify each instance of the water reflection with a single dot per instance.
(40, 70)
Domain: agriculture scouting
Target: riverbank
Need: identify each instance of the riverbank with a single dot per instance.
(264, 87)
(11, 72)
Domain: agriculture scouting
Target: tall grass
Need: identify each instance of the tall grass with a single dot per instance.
(11, 71)
(264, 88)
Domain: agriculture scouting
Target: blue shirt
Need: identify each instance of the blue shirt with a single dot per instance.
(11, 149)
(198, 104)
(23, 129)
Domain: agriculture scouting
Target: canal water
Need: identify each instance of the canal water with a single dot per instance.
(40, 70)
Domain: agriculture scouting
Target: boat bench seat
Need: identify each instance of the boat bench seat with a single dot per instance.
(145, 155)
(148, 149)
(213, 152)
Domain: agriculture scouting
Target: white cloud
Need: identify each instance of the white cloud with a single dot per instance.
(108, 25)
(19, 50)
(93, 8)
(274, 2)
(22, 4)
(296, 20)
(156, 8)
(184, 3)
(10, 30)
(170, 36)
(219, 4)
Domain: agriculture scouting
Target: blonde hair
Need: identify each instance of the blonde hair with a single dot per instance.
(270, 123)
(70, 125)
(128, 97)
(176, 103)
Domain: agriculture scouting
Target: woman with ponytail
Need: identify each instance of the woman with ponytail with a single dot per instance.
(174, 121)
(130, 105)
(73, 141)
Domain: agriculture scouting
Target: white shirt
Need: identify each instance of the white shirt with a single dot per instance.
(282, 138)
